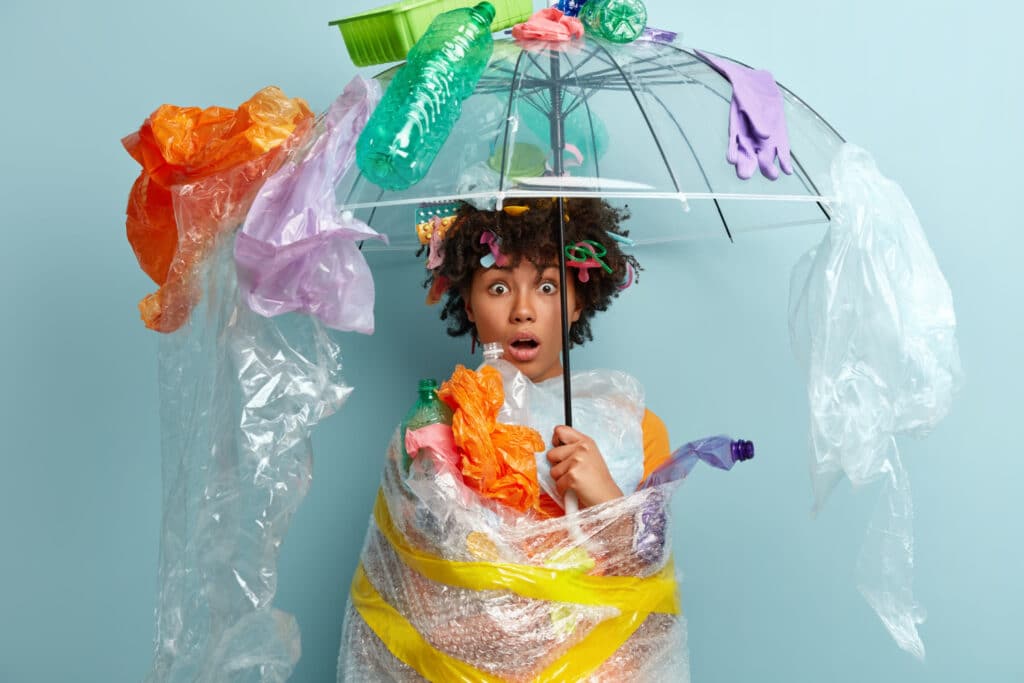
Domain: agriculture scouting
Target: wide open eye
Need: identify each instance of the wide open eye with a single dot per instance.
(548, 287)
(498, 288)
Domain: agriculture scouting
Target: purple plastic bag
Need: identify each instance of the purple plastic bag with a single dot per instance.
(295, 253)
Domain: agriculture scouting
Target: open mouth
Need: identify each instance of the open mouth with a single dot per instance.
(523, 347)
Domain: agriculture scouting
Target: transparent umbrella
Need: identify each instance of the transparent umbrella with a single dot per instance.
(645, 123)
(641, 121)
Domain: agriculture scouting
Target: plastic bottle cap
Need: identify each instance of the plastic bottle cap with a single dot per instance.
(428, 384)
(486, 10)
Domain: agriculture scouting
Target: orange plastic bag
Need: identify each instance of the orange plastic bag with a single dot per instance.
(497, 459)
(201, 169)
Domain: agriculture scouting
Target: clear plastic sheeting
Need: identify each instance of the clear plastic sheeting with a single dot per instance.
(239, 395)
(452, 587)
(872, 319)
(608, 406)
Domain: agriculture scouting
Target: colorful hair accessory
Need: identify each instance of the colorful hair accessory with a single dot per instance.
(515, 211)
(495, 258)
(438, 287)
(621, 239)
(629, 277)
(435, 258)
(577, 155)
(445, 213)
(584, 256)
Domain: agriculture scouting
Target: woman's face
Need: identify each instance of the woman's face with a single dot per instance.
(520, 307)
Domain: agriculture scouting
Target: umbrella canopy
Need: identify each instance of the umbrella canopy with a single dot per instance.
(645, 123)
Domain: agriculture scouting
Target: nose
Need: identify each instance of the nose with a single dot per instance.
(523, 310)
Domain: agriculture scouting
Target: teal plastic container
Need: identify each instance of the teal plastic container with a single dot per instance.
(386, 34)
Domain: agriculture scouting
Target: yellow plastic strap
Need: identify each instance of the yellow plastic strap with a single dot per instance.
(406, 643)
(626, 593)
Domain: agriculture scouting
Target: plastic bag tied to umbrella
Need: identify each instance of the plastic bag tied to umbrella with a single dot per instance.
(200, 171)
(757, 122)
(872, 318)
(294, 252)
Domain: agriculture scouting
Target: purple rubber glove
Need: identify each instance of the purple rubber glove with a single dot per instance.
(757, 122)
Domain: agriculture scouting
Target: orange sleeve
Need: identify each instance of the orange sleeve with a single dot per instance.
(656, 448)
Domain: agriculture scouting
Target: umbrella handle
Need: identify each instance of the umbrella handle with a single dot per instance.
(572, 503)
(572, 506)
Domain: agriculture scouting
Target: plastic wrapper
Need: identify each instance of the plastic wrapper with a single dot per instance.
(295, 252)
(239, 394)
(453, 586)
(201, 169)
(872, 319)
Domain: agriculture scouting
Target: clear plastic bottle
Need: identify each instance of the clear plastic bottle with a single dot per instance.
(618, 21)
(423, 102)
(428, 410)
(493, 352)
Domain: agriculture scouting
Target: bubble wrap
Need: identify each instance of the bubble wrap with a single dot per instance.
(452, 587)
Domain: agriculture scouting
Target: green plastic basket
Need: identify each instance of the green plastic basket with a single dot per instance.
(386, 34)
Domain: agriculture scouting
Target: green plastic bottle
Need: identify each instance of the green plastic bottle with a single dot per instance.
(619, 21)
(423, 102)
(428, 410)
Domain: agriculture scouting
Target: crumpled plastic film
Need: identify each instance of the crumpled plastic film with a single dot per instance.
(497, 458)
(872, 319)
(295, 253)
(239, 395)
(201, 169)
(452, 588)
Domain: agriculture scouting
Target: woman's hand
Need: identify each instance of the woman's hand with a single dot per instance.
(577, 465)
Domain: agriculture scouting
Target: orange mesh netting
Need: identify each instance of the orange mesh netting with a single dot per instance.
(497, 459)
(201, 169)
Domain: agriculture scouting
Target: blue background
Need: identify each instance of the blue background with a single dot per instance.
(931, 89)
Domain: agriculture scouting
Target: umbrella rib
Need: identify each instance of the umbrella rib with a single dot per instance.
(653, 67)
(584, 100)
(700, 166)
(647, 120)
(590, 56)
(508, 117)
(814, 187)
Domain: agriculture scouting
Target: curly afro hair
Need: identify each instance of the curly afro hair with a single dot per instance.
(532, 234)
